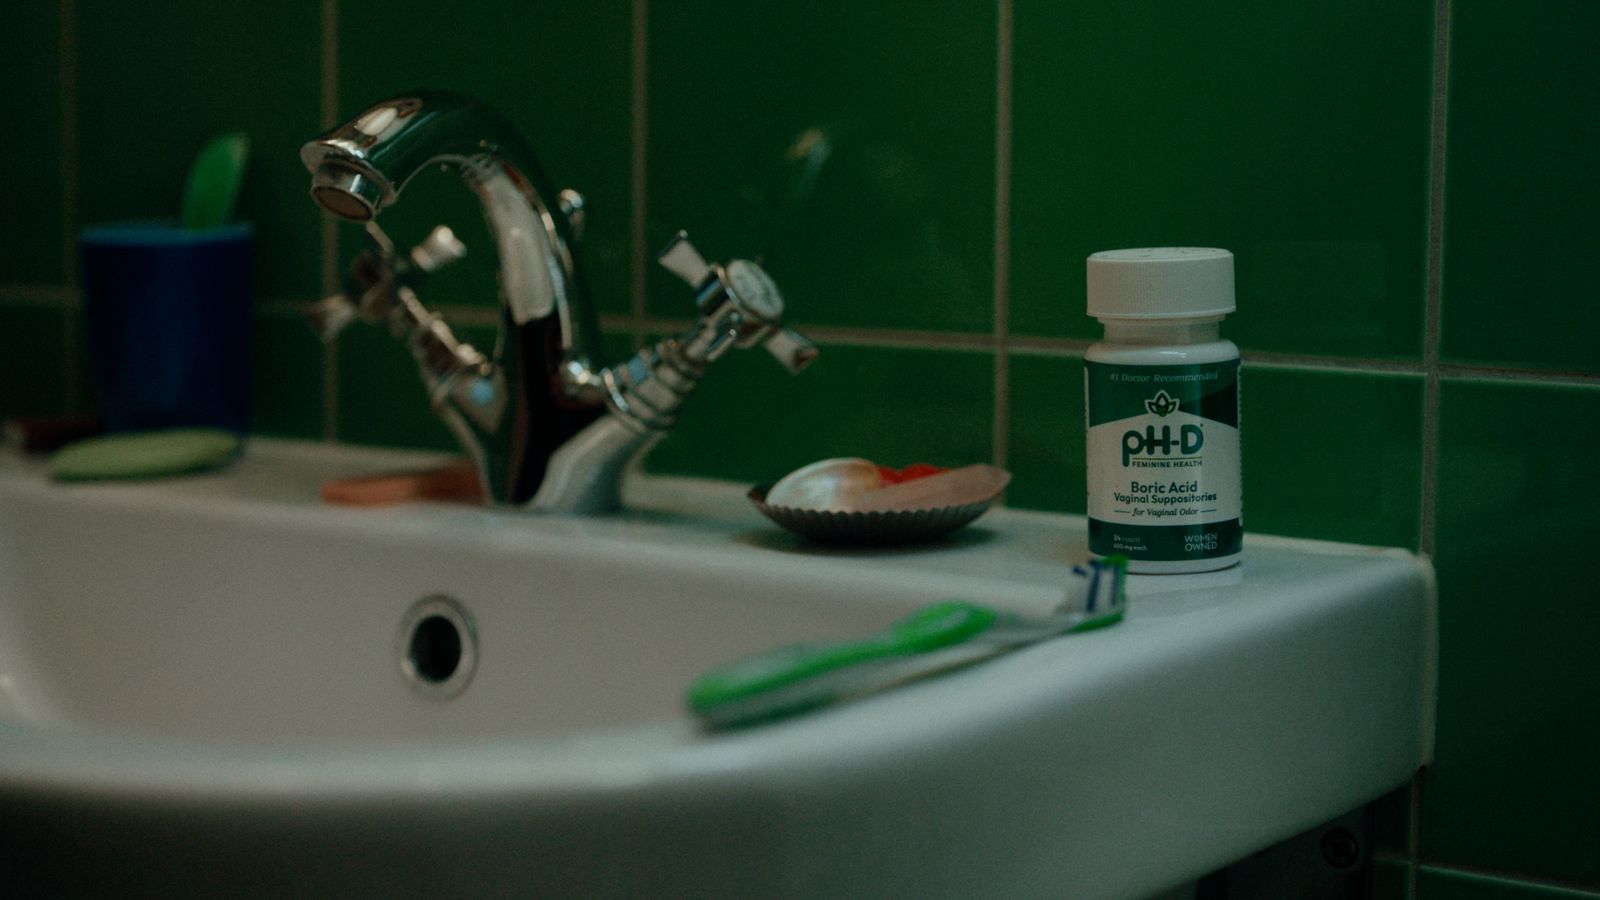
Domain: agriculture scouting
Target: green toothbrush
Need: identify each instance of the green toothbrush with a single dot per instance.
(794, 679)
(212, 187)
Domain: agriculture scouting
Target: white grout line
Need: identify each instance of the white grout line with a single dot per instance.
(1433, 300)
(329, 115)
(1551, 888)
(638, 111)
(1432, 307)
(870, 337)
(1525, 376)
(62, 295)
(1341, 363)
(906, 339)
(48, 295)
(1413, 832)
(1005, 32)
(1414, 829)
(1044, 346)
(283, 306)
(329, 96)
(73, 390)
(1071, 347)
(487, 316)
(68, 62)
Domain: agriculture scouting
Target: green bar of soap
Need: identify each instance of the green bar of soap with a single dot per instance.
(145, 454)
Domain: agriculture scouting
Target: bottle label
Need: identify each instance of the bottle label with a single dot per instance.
(1163, 457)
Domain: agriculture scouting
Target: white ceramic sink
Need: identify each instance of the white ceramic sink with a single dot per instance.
(203, 688)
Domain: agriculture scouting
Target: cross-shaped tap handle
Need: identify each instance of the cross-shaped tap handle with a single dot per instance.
(740, 306)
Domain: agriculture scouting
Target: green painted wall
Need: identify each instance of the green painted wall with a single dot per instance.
(1408, 186)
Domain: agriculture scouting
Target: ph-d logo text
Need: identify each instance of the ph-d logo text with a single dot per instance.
(1151, 442)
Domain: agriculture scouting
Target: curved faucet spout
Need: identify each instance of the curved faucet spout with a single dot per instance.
(532, 394)
(363, 165)
(547, 425)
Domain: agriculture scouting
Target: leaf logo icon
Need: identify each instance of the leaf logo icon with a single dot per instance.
(1161, 404)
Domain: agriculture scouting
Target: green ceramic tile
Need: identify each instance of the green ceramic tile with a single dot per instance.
(381, 397)
(1514, 780)
(31, 217)
(1295, 135)
(560, 72)
(286, 394)
(618, 346)
(1444, 884)
(155, 81)
(1520, 196)
(1046, 441)
(849, 146)
(32, 348)
(1332, 455)
(751, 421)
(1390, 880)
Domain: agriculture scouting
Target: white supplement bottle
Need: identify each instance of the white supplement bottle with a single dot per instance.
(1163, 410)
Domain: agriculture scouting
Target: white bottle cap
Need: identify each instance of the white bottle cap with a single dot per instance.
(1160, 283)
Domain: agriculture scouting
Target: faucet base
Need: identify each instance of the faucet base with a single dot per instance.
(585, 474)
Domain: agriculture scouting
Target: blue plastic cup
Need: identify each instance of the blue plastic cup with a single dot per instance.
(168, 316)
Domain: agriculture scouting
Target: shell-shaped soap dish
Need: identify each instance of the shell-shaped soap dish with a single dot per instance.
(848, 501)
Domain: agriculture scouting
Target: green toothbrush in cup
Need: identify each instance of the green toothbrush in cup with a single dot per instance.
(212, 187)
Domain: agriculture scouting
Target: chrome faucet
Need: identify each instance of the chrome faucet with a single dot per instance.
(547, 424)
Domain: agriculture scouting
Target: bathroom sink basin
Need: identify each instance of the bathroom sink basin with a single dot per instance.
(216, 684)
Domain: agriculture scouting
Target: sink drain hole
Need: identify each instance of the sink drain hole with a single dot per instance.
(435, 649)
(438, 647)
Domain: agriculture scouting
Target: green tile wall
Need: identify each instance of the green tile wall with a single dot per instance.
(1341, 457)
(757, 422)
(1408, 187)
(1046, 452)
(33, 348)
(1522, 236)
(1523, 698)
(33, 212)
(559, 71)
(1294, 134)
(155, 81)
(382, 400)
(286, 394)
(848, 145)
(1345, 466)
